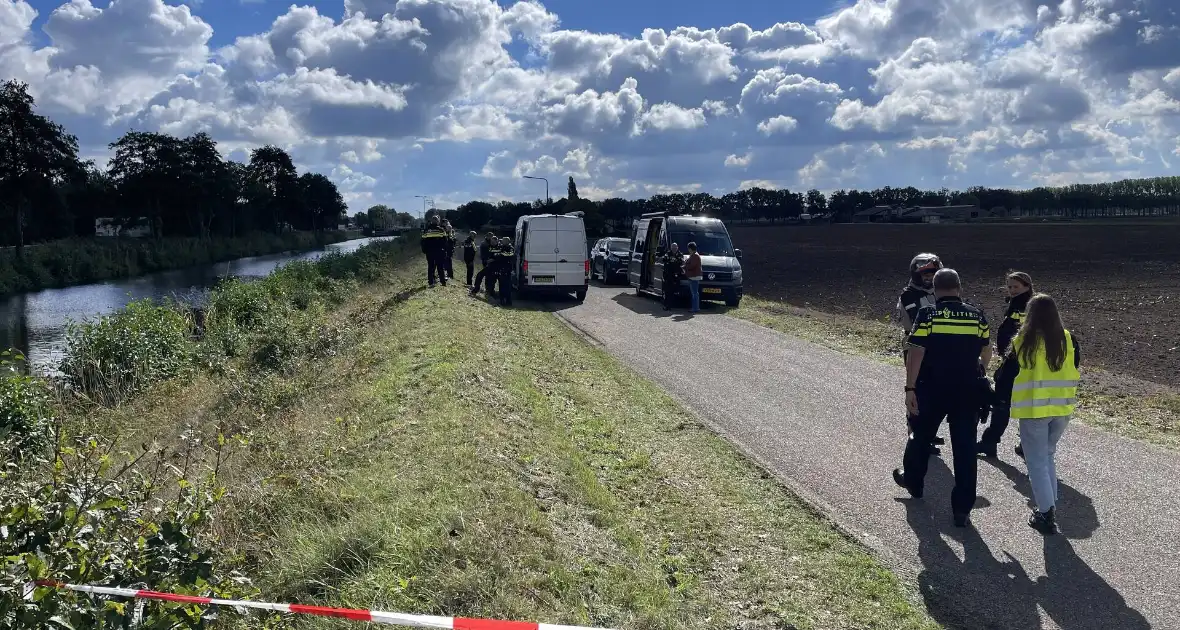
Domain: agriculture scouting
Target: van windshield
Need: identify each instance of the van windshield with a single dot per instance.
(709, 242)
(618, 245)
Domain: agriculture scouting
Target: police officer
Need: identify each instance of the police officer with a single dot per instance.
(434, 244)
(673, 271)
(487, 274)
(917, 294)
(505, 261)
(949, 343)
(469, 255)
(449, 258)
(1020, 291)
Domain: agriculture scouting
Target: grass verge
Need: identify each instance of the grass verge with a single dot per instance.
(464, 459)
(1121, 405)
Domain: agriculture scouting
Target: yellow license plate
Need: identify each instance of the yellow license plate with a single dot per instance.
(543, 280)
(710, 290)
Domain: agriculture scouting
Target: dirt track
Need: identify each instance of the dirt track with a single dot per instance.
(1118, 285)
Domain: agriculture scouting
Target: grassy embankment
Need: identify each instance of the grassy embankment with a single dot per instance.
(462, 459)
(84, 260)
(1106, 401)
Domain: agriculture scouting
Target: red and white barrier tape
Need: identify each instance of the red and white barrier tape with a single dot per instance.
(374, 616)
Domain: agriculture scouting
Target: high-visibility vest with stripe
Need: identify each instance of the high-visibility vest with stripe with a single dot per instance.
(1041, 392)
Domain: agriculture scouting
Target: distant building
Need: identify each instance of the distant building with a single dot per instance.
(126, 228)
(876, 214)
(944, 214)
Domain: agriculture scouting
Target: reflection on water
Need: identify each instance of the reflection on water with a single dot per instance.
(35, 323)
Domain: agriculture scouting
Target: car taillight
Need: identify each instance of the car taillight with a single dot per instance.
(587, 268)
(524, 266)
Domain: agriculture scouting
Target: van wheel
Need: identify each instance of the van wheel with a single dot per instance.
(734, 303)
(581, 295)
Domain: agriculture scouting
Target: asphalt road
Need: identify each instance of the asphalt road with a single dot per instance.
(831, 426)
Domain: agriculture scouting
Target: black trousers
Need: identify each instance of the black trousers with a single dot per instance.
(486, 275)
(671, 289)
(434, 264)
(470, 269)
(960, 409)
(505, 289)
(1001, 407)
(448, 264)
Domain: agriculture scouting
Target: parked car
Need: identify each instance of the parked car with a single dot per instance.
(608, 259)
(651, 236)
(551, 254)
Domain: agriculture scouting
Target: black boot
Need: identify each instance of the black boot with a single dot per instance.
(1044, 522)
(986, 449)
(899, 479)
(1020, 451)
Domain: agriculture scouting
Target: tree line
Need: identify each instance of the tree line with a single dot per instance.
(177, 186)
(1158, 196)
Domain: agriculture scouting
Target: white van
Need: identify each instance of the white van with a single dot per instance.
(551, 254)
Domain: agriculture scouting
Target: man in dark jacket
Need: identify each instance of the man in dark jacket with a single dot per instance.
(434, 244)
(505, 261)
(673, 271)
(452, 242)
(919, 293)
(485, 275)
(485, 249)
(469, 255)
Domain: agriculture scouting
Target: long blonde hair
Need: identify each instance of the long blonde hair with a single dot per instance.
(1042, 325)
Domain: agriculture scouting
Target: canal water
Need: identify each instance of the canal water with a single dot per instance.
(35, 323)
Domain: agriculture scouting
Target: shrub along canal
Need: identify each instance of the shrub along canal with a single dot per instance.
(35, 323)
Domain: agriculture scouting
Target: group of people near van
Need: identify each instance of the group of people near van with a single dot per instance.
(947, 352)
(496, 256)
(677, 267)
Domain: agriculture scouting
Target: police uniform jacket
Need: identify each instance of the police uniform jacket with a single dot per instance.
(912, 299)
(953, 333)
(1013, 319)
(503, 259)
(434, 240)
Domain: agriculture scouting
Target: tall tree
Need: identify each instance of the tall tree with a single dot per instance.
(36, 154)
(273, 173)
(146, 170)
(322, 201)
(571, 190)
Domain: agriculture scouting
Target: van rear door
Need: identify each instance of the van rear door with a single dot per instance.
(555, 249)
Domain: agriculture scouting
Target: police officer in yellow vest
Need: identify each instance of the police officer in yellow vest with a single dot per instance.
(947, 348)
(1044, 395)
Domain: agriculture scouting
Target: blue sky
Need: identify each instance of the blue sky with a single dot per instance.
(459, 99)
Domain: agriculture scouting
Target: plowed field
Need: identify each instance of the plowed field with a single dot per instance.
(1118, 285)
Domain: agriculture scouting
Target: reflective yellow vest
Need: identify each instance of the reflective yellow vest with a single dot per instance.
(1039, 392)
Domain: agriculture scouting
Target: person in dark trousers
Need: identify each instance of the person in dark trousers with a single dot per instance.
(449, 258)
(949, 343)
(469, 255)
(505, 260)
(486, 275)
(434, 245)
(673, 272)
(917, 294)
(1020, 291)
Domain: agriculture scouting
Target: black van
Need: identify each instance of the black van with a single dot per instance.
(652, 234)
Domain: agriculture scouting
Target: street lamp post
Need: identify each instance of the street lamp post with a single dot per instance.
(546, 186)
(424, 199)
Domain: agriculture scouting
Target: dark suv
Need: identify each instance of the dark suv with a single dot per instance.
(609, 258)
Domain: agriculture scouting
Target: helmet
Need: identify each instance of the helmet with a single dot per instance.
(923, 263)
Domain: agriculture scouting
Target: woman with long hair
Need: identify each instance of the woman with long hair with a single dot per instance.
(694, 271)
(1020, 291)
(1044, 394)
